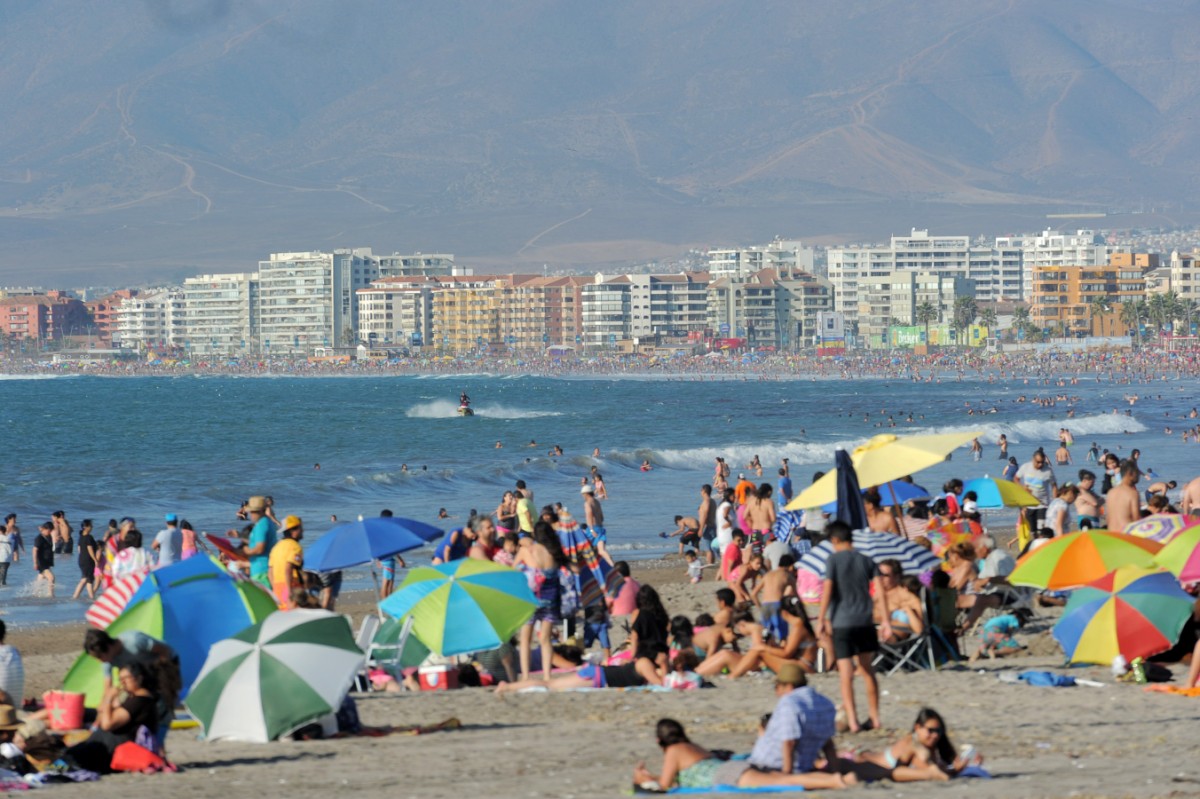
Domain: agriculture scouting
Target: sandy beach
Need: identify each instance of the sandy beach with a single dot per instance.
(1114, 741)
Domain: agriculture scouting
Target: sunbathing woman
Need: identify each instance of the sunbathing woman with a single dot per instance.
(923, 754)
(908, 618)
(800, 648)
(693, 766)
(628, 675)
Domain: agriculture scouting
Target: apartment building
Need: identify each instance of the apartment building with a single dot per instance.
(783, 255)
(894, 299)
(662, 309)
(397, 311)
(39, 318)
(1054, 248)
(1063, 296)
(104, 315)
(153, 320)
(768, 310)
(1183, 276)
(220, 312)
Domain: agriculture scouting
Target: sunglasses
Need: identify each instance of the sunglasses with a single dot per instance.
(934, 730)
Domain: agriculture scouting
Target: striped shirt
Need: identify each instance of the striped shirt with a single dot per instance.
(12, 674)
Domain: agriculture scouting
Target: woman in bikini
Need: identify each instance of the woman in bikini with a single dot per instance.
(907, 617)
(506, 514)
(799, 649)
(923, 754)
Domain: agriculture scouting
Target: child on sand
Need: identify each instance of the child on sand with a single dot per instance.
(769, 593)
(695, 569)
(997, 635)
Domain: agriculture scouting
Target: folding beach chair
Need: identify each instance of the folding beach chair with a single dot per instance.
(925, 651)
(363, 640)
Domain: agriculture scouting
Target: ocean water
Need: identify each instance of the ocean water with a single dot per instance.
(198, 445)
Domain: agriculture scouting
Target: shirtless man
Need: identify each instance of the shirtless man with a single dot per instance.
(760, 516)
(706, 517)
(687, 530)
(768, 594)
(1123, 503)
(594, 516)
(1062, 455)
(1191, 496)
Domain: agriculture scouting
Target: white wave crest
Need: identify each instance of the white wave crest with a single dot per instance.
(1045, 431)
(445, 409)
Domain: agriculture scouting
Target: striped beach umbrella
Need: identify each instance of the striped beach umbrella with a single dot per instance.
(105, 610)
(577, 546)
(1161, 527)
(1078, 558)
(288, 670)
(913, 558)
(1181, 556)
(463, 606)
(1130, 611)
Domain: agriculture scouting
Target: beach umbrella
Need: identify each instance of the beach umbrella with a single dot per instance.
(356, 543)
(891, 494)
(105, 610)
(273, 677)
(850, 507)
(948, 535)
(882, 459)
(913, 558)
(1078, 558)
(1130, 611)
(462, 606)
(1161, 527)
(578, 546)
(1181, 556)
(787, 522)
(189, 605)
(995, 494)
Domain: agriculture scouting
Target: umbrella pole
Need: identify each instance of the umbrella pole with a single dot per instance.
(895, 509)
(375, 580)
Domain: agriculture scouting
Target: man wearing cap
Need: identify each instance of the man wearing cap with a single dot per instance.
(168, 542)
(743, 489)
(286, 563)
(594, 516)
(262, 540)
(801, 729)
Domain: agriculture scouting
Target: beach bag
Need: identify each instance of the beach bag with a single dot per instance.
(130, 756)
(65, 709)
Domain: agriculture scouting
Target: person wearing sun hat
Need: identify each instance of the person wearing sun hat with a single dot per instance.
(285, 566)
(262, 540)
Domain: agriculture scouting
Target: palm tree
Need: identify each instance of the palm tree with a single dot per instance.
(1021, 318)
(1132, 313)
(1096, 307)
(926, 312)
(965, 313)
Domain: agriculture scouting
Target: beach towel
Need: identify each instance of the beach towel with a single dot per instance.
(1172, 689)
(1046, 679)
(719, 789)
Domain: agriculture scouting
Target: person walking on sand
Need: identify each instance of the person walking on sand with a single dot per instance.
(594, 516)
(849, 612)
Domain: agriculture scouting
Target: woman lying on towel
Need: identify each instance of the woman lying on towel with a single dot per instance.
(924, 754)
(693, 766)
(642, 671)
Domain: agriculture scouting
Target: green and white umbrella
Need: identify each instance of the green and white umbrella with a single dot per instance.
(288, 670)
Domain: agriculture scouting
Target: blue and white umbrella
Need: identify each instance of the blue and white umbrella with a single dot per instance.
(913, 558)
(787, 522)
(897, 492)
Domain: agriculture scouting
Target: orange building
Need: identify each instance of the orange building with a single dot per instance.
(1066, 296)
(42, 317)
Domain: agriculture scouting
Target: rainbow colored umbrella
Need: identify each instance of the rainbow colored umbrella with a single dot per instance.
(995, 494)
(1079, 558)
(465, 605)
(577, 546)
(946, 536)
(1161, 527)
(1181, 557)
(1130, 611)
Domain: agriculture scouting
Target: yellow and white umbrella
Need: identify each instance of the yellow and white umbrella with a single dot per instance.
(882, 459)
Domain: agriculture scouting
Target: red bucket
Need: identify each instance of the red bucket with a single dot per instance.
(65, 709)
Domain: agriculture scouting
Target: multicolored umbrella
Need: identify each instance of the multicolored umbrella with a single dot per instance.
(578, 546)
(189, 605)
(1130, 611)
(356, 543)
(995, 494)
(463, 606)
(276, 676)
(946, 536)
(1161, 527)
(914, 558)
(883, 458)
(1079, 558)
(1181, 557)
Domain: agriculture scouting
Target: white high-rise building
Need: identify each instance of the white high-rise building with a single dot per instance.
(783, 255)
(996, 272)
(153, 319)
(219, 310)
(658, 308)
(1052, 248)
